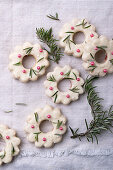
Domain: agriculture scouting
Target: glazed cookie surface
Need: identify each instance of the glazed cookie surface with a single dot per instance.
(67, 36)
(60, 73)
(32, 128)
(90, 64)
(16, 58)
(11, 144)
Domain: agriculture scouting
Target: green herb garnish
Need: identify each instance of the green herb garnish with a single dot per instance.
(33, 71)
(17, 64)
(47, 37)
(111, 61)
(75, 90)
(12, 150)
(55, 94)
(53, 17)
(36, 136)
(41, 68)
(3, 155)
(102, 120)
(68, 73)
(28, 50)
(40, 59)
(92, 56)
(75, 75)
(83, 24)
(51, 78)
(57, 134)
(23, 104)
(92, 68)
(59, 123)
(9, 111)
(102, 47)
(36, 116)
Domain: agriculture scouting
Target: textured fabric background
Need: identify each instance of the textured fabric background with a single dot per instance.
(18, 20)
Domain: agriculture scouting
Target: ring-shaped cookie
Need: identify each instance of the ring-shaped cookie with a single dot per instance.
(11, 144)
(90, 64)
(60, 73)
(67, 36)
(32, 128)
(16, 58)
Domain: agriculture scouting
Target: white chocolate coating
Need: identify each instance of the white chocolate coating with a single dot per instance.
(11, 144)
(76, 86)
(76, 49)
(33, 127)
(99, 69)
(41, 62)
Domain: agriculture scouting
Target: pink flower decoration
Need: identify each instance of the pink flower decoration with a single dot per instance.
(51, 88)
(41, 50)
(112, 52)
(105, 71)
(48, 116)
(61, 128)
(91, 35)
(19, 56)
(44, 139)
(78, 50)
(24, 71)
(61, 73)
(68, 96)
(92, 63)
(72, 28)
(38, 68)
(96, 48)
(7, 137)
(78, 79)
(32, 126)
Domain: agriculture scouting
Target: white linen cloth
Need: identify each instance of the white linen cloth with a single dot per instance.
(18, 20)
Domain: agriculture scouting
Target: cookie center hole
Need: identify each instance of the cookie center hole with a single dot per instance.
(46, 126)
(79, 37)
(28, 61)
(64, 85)
(100, 56)
(2, 144)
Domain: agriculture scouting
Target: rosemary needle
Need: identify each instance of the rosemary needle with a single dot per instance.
(23, 104)
(9, 111)
(53, 17)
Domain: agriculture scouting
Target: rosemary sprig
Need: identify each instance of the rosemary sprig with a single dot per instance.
(32, 71)
(75, 90)
(92, 68)
(28, 50)
(36, 136)
(102, 47)
(67, 38)
(40, 59)
(17, 64)
(41, 68)
(36, 116)
(21, 104)
(51, 78)
(47, 37)
(75, 75)
(68, 73)
(53, 17)
(55, 94)
(102, 120)
(9, 111)
(83, 24)
(111, 61)
(3, 155)
(92, 56)
(58, 134)
(13, 149)
(59, 123)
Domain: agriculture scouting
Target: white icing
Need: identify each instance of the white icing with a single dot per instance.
(70, 47)
(99, 67)
(61, 96)
(13, 141)
(17, 71)
(52, 136)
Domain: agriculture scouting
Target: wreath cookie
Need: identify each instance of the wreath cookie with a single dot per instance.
(34, 134)
(60, 73)
(67, 36)
(90, 64)
(11, 144)
(16, 58)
